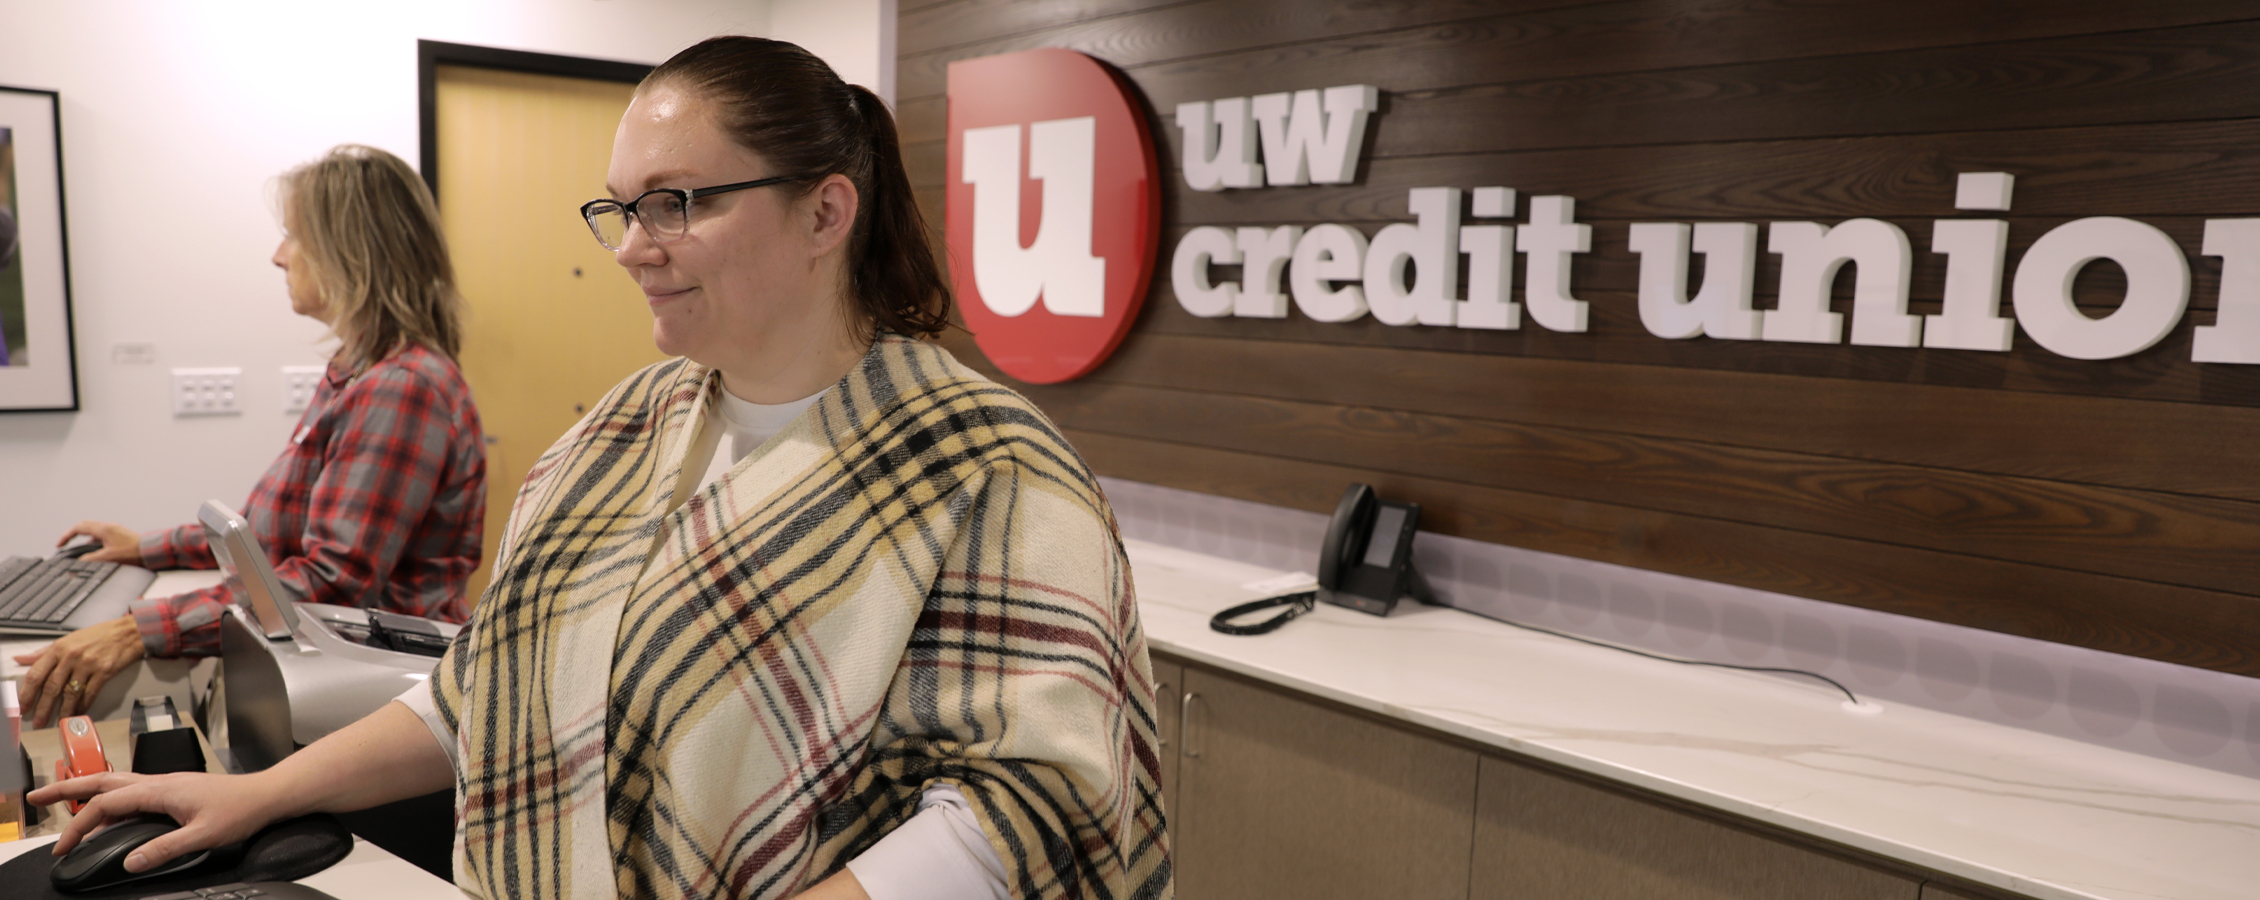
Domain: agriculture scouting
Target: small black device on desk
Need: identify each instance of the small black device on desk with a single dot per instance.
(407, 634)
(1365, 564)
(99, 861)
(161, 745)
(283, 851)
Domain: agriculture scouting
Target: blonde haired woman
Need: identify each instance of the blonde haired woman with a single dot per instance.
(379, 499)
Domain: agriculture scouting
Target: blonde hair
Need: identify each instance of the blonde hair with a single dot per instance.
(370, 233)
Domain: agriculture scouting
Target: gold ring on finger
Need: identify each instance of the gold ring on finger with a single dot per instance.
(74, 687)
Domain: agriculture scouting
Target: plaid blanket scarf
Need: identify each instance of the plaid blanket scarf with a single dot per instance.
(917, 581)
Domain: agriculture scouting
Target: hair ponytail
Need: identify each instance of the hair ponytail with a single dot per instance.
(784, 104)
(894, 274)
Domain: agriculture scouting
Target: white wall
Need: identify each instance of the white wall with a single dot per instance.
(176, 117)
(857, 37)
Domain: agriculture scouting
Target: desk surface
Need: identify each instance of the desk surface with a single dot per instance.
(171, 677)
(2020, 810)
(368, 873)
(45, 746)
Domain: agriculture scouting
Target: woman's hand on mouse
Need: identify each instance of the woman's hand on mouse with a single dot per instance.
(119, 543)
(212, 809)
(388, 755)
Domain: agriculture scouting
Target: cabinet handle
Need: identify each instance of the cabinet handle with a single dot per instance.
(1185, 725)
(1161, 689)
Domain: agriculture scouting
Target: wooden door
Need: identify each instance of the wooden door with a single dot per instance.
(550, 322)
(1285, 798)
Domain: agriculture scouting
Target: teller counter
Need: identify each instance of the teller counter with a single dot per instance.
(1439, 754)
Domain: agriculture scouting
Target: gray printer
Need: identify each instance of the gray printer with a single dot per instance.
(293, 672)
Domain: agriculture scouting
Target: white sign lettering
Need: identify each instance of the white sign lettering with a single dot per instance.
(2157, 288)
(2234, 336)
(1308, 137)
(1220, 151)
(1810, 255)
(1434, 247)
(1059, 266)
(1721, 309)
(1409, 273)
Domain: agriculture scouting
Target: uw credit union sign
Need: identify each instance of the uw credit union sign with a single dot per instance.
(1051, 279)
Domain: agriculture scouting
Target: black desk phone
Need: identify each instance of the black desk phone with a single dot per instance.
(1366, 564)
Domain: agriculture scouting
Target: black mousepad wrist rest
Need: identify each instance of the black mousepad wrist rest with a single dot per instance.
(284, 851)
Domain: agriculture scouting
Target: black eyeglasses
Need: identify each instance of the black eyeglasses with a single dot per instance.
(665, 212)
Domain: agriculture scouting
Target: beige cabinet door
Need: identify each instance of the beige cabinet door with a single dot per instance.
(550, 323)
(1540, 834)
(1941, 892)
(1281, 797)
(1169, 698)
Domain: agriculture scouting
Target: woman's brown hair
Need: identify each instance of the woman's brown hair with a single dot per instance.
(784, 104)
(370, 232)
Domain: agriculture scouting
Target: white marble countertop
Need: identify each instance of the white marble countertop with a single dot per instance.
(2020, 810)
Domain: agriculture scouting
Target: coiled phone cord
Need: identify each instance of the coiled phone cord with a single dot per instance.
(1297, 604)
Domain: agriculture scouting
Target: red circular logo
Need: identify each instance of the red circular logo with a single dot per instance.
(1053, 211)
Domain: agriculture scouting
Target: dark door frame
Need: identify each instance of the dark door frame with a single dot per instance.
(430, 55)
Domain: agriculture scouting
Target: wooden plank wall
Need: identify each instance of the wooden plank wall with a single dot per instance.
(2105, 504)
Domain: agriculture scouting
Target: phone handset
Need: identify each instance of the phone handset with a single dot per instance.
(1346, 534)
(1365, 564)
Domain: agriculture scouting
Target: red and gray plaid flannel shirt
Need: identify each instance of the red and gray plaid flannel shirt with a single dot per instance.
(379, 501)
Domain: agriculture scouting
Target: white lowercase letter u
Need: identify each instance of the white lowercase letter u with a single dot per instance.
(1059, 266)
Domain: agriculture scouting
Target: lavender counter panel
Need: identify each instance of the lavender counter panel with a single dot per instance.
(2161, 710)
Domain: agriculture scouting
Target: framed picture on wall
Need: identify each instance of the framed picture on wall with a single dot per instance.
(38, 369)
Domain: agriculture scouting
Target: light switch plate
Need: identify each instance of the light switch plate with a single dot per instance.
(205, 392)
(299, 383)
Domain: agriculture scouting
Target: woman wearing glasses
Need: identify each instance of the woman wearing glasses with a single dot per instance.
(813, 610)
(380, 498)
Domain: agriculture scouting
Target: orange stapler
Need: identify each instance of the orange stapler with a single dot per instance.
(82, 753)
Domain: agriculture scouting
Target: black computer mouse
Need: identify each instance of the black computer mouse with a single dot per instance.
(82, 547)
(99, 861)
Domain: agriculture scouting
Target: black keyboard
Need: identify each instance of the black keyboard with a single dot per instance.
(44, 592)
